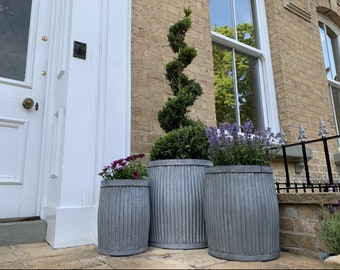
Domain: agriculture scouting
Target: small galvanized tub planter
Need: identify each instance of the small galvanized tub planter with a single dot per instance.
(241, 213)
(123, 217)
(176, 201)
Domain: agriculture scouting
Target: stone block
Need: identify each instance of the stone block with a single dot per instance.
(22, 232)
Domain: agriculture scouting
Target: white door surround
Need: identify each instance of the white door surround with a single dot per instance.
(87, 114)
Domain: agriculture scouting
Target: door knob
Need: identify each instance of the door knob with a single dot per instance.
(28, 103)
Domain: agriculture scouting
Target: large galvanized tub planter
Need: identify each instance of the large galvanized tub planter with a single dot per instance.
(241, 213)
(176, 201)
(123, 217)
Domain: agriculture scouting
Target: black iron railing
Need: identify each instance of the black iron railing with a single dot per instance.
(324, 182)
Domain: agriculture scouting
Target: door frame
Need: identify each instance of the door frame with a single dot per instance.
(69, 200)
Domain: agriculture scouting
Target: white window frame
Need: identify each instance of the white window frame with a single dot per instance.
(265, 69)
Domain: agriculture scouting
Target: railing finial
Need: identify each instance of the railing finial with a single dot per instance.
(323, 131)
(302, 134)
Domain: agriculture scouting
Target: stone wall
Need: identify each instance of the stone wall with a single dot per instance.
(299, 72)
(300, 222)
(301, 85)
(151, 52)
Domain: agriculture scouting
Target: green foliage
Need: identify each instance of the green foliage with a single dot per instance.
(330, 227)
(186, 142)
(185, 137)
(174, 114)
(241, 154)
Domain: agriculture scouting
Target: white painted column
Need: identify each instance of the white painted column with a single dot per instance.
(90, 119)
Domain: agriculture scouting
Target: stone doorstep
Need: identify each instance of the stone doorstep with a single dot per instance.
(22, 232)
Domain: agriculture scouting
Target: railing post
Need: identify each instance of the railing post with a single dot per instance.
(283, 142)
(328, 163)
(303, 145)
(302, 137)
(286, 165)
(322, 132)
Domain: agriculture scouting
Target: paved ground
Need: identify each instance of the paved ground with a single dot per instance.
(42, 256)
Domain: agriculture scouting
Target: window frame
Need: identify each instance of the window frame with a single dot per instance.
(331, 82)
(268, 101)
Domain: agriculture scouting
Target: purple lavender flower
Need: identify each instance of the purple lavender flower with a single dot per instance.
(248, 128)
(232, 144)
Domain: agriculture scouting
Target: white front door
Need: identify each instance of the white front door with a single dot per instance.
(24, 26)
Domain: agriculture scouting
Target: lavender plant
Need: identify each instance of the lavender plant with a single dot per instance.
(330, 227)
(233, 144)
(125, 168)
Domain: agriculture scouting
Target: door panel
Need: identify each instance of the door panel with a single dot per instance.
(13, 137)
(23, 58)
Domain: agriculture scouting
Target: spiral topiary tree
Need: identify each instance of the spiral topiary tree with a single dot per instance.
(185, 91)
(185, 137)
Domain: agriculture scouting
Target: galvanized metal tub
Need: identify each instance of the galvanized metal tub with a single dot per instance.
(123, 217)
(241, 213)
(176, 201)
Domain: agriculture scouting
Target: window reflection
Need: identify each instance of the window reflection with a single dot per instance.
(330, 48)
(336, 104)
(237, 17)
(235, 75)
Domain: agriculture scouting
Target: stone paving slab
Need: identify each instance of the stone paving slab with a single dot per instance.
(42, 256)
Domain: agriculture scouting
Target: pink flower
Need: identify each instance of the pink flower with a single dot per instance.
(135, 175)
(125, 168)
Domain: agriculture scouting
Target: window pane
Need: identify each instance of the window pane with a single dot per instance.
(247, 86)
(332, 72)
(330, 49)
(224, 85)
(14, 30)
(324, 50)
(221, 15)
(245, 22)
(333, 43)
(225, 15)
(336, 101)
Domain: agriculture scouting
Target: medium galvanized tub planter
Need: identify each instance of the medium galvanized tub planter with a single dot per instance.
(123, 217)
(176, 201)
(241, 213)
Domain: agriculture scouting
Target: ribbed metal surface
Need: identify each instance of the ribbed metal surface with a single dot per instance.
(241, 213)
(123, 217)
(176, 200)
